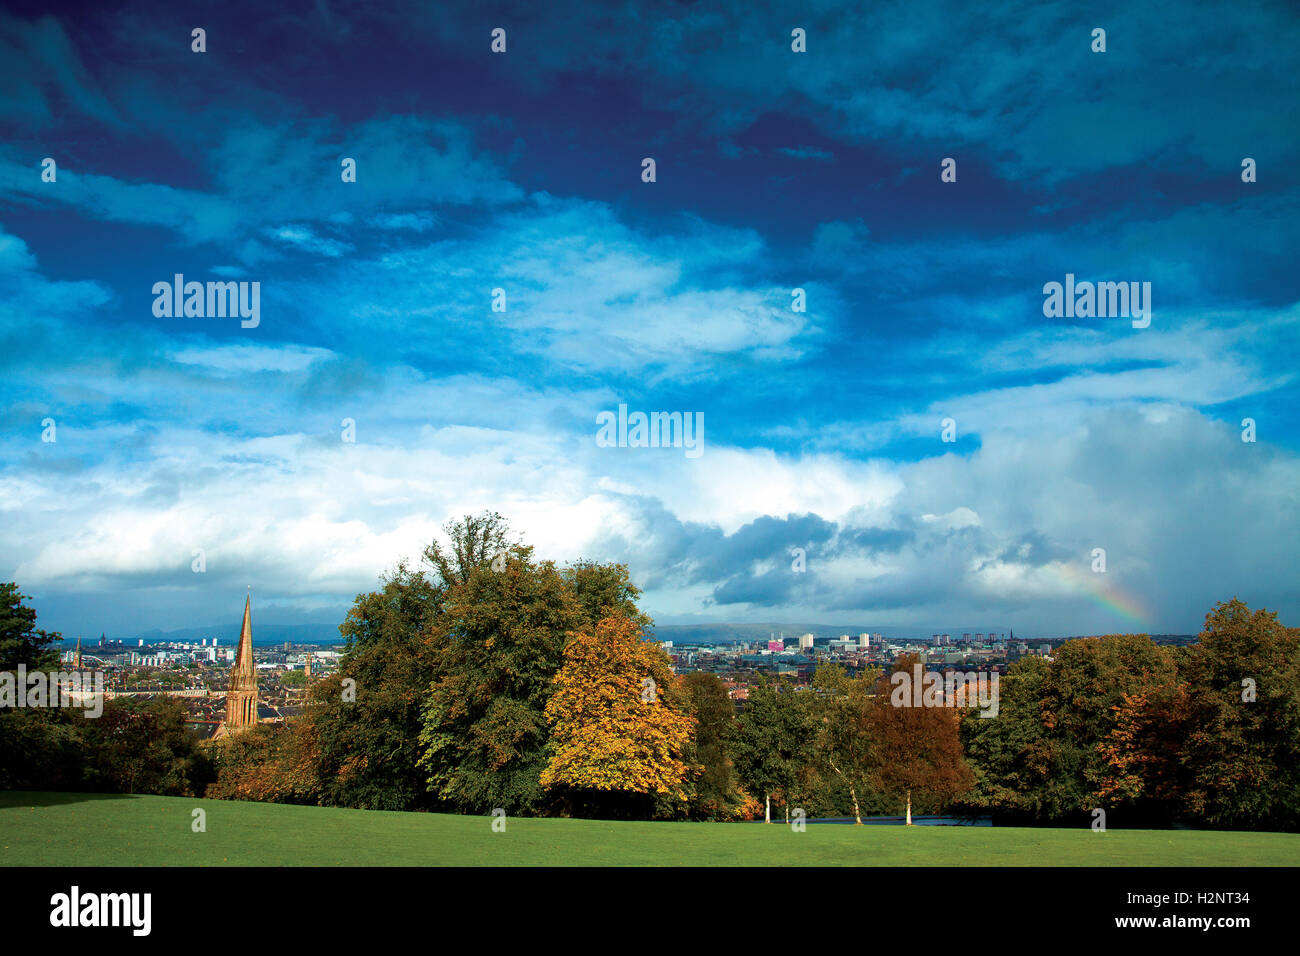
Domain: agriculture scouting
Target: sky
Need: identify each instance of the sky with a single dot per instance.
(921, 445)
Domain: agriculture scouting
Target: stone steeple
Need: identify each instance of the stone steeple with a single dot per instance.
(241, 699)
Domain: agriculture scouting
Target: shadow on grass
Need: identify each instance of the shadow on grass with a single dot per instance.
(42, 798)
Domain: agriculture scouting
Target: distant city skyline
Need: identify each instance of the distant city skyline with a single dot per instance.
(889, 422)
(721, 631)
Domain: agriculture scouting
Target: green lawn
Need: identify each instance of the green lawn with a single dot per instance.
(42, 829)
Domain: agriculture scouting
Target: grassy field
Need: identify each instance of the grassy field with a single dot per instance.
(48, 829)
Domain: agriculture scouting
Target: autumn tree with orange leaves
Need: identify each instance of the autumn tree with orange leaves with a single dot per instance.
(618, 725)
(918, 752)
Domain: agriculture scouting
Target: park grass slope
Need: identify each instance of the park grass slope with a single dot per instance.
(51, 829)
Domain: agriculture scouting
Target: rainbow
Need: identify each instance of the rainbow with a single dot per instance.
(1095, 587)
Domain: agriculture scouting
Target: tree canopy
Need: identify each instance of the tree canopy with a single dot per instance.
(615, 727)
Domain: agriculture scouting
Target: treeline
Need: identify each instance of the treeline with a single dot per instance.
(137, 745)
(487, 679)
(1206, 735)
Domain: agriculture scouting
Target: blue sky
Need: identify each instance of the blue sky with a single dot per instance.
(775, 170)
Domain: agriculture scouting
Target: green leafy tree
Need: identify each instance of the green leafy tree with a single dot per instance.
(21, 641)
(498, 644)
(473, 542)
(843, 709)
(1241, 757)
(40, 748)
(1010, 756)
(774, 741)
(478, 614)
(605, 590)
(367, 738)
(718, 793)
(141, 745)
(1090, 680)
(1050, 753)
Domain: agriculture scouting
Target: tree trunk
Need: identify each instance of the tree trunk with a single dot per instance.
(787, 811)
(767, 814)
(857, 814)
(909, 808)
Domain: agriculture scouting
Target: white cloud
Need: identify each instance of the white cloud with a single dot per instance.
(247, 357)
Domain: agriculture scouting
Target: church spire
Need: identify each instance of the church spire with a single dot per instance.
(241, 698)
(244, 656)
(77, 660)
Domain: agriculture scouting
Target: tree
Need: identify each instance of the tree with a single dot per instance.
(1241, 756)
(367, 740)
(1051, 752)
(267, 762)
(474, 541)
(40, 748)
(718, 794)
(21, 641)
(141, 745)
(449, 668)
(615, 731)
(1090, 683)
(844, 726)
(498, 643)
(918, 751)
(1143, 751)
(604, 590)
(773, 741)
(1010, 756)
